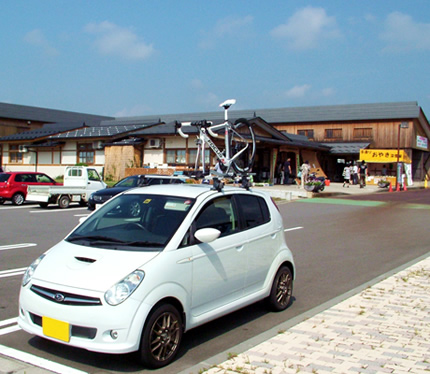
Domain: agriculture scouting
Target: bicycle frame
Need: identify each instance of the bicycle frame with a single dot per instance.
(203, 139)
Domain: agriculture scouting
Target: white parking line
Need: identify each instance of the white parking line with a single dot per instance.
(8, 321)
(55, 210)
(13, 322)
(8, 330)
(14, 246)
(38, 361)
(14, 207)
(293, 228)
(12, 272)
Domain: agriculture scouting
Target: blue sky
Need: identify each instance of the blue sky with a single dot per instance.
(130, 58)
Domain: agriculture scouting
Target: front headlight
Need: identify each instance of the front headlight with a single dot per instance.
(123, 289)
(30, 271)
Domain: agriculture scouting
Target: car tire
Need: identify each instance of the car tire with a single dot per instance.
(1, 201)
(282, 289)
(64, 202)
(161, 336)
(18, 199)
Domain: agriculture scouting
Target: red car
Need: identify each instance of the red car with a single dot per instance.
(13, 184)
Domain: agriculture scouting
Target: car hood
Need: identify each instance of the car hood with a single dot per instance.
(89, 268)
(111, 191)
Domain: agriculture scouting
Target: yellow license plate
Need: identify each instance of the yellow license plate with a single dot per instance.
(56, 329)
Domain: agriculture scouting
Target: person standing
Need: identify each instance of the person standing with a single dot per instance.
(355, 173)
(305, 169)
(346, 175)
(287, 170)
(363, 174)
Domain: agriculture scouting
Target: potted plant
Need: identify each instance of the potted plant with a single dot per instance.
(313, 186)
(383, 183)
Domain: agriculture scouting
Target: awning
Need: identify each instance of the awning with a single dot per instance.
(384, 155)
(346, 148)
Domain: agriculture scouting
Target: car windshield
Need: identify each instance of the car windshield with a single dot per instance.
(4, 177)
(139, 222)
(128, 182)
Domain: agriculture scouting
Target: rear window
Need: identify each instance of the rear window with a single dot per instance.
(4, 177)
(25, 178)
(254, 209)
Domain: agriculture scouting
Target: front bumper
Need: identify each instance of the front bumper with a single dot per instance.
(99, 328)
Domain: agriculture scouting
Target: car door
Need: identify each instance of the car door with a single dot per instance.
(219, 267)
(44, 180)
(94, 181)
(263, 239)
(26, 180)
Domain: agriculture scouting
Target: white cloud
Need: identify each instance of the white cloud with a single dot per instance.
(114, 40)
(38, 39)
(402, 33)
(328, 92)
(306, 28)
(135, 111)
(231, 26)
(297, 91)
(197, 84)
(228, 28)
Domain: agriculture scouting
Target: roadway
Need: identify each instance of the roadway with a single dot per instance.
(339, 244)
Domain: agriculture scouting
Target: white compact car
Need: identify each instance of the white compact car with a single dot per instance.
(154, 262)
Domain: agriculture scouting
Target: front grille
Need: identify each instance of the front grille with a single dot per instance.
(65, 298)
(77, 331)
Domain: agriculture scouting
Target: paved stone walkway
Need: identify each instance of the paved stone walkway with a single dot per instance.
(383, 329)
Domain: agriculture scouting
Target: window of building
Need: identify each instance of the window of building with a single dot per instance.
(193, 155)
(85, 154)
(307, 133)
(363, 133)
(333, 133)
(15, 156)
(176, 156)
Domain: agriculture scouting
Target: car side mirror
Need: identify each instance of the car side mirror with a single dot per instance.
(207, 235)
(82, 219)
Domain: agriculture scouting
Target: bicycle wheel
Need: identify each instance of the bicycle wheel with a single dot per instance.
(242, 146)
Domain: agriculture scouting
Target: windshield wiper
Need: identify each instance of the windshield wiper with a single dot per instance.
(143, 244)
(95, 238)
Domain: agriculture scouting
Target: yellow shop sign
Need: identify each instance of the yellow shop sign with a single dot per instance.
(383, 155)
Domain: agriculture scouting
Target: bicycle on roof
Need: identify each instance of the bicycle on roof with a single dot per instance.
(238, 155)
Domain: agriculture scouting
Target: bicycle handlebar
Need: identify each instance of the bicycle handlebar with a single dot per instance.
(178, 126)
(199, 124)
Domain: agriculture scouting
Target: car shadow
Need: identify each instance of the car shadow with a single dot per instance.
(128, 363)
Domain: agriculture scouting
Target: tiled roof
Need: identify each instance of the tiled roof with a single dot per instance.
(353, 112)
(30, 113)
(45, 131)
(98, 131)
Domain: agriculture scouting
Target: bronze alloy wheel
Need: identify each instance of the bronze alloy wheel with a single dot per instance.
(162, 336)
(282, 289)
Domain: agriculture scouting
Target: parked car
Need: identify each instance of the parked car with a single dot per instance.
(13, 184)
(101, 196)
(155, 262)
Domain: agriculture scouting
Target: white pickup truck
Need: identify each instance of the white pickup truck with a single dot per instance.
(79, 183)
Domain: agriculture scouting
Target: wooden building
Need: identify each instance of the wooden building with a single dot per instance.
(327, 136)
